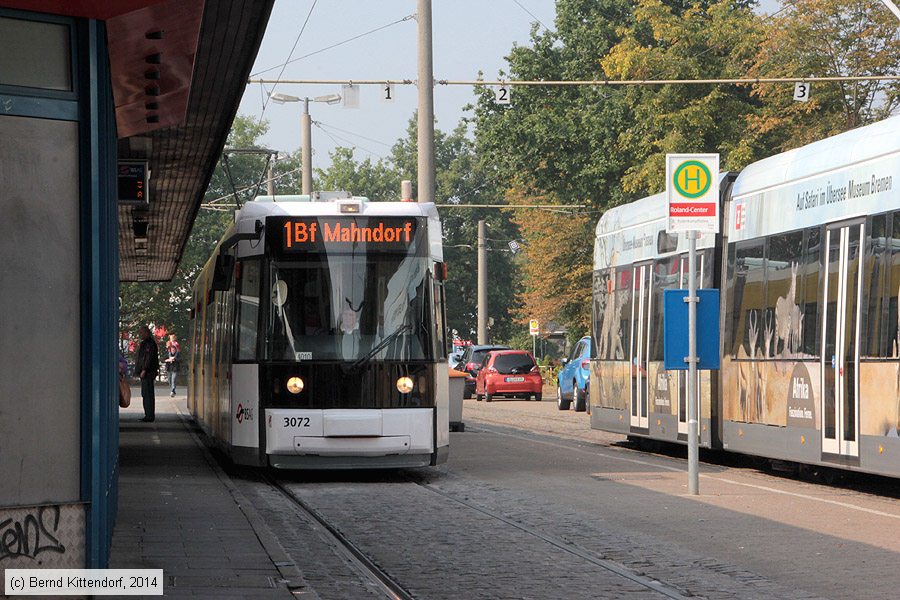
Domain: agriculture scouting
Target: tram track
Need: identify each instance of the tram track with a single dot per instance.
(573, 549)
(364, 565)
(391, 588)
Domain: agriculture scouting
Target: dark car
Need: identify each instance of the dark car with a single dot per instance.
(471, 363)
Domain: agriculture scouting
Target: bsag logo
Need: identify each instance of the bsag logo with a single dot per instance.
(740, 216)
(243, 413)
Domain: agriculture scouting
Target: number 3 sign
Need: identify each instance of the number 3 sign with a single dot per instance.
(502, 94)
(801, 91)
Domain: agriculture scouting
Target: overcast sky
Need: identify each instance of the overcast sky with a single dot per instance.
(469, 35)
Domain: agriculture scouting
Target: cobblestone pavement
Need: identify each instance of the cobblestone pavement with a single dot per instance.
(534, 504)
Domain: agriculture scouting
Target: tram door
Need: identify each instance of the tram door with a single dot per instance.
(640, 320)
(840, 338)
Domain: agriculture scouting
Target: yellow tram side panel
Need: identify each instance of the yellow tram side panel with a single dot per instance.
(610, 404)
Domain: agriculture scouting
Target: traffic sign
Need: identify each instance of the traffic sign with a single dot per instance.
(675, 329)
(534, 327)
(692, 192)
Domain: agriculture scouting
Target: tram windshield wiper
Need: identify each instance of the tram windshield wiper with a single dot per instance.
(381, 346)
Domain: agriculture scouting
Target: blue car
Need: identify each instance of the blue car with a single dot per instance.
(573, 381)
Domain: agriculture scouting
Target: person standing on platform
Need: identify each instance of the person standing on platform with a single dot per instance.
(147, 366)
(173, 349)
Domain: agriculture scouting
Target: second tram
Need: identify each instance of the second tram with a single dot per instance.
(809, 268)
(318, 335)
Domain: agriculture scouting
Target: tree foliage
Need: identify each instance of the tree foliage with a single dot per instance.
(714, 39)
(824, 38)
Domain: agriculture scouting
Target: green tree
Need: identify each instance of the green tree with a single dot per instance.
(558, 145)
(824, 38)
(378, 181)
(695, 40)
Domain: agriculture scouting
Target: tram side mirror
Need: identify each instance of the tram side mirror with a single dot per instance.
(222, 272)
(279, 293)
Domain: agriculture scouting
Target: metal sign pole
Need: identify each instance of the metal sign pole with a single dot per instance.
(692, 400)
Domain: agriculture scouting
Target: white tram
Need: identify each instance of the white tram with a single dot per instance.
(809, 268)
(318, 335)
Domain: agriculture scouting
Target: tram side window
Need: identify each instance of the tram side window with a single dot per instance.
(599, 300)
(781, 328)
(440, 338)
(810, 292)
(749, 295)
(874, 317)
(666, 275)
(620, 336)
(893, 291)
(248, 310)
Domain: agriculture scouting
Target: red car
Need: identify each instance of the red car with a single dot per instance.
(509, 373)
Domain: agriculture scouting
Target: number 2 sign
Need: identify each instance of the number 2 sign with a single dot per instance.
(502, 94)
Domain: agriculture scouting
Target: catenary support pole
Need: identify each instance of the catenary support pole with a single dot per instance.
(425, 84)
(692, 400)
(306, 147)
(270, 184)
(482, 284)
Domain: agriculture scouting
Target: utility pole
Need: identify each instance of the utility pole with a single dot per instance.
(425, 84)
(270, 184)
(306, 147)
(482, 284)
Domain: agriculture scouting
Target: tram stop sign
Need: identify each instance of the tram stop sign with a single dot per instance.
(534, 327)
(692, 192)
(675, 329)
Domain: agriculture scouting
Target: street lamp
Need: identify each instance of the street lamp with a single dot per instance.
(305, 130)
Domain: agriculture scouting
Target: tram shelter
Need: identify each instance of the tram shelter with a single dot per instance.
(91, 90)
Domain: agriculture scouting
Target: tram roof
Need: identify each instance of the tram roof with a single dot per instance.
(836, 152)
(268, 206)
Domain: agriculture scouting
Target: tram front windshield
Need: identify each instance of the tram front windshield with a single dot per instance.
(345, 307)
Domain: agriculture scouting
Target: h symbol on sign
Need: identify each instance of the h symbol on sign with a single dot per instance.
(695, 177)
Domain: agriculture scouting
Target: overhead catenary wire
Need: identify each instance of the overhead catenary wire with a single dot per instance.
(533, 16)
(290, 54)
(341, 43)
(589, 82)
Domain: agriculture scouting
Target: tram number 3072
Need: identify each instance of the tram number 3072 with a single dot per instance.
(296, 421)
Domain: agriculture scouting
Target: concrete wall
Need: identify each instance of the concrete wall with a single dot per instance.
(40, 318)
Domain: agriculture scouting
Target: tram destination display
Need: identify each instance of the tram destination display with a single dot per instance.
(293, 235)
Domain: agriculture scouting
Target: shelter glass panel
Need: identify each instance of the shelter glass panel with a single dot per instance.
(35, 54)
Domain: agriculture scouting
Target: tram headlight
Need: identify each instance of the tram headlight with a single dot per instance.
(294, 385)
(405, 385)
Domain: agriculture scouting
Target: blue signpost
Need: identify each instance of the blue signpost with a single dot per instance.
(675, 329)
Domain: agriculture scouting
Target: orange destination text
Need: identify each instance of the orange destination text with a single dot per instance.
(299, 232)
